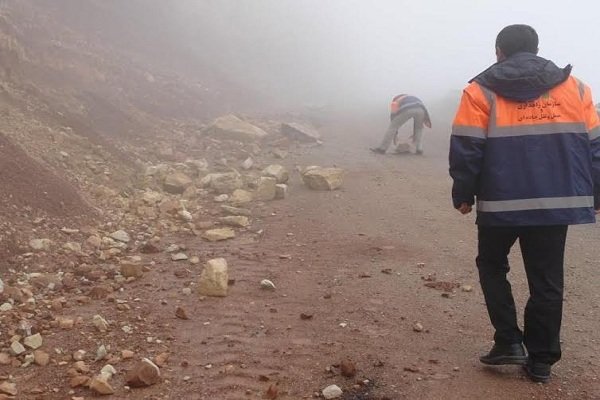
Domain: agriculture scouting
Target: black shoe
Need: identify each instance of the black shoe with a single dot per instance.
(505, 354)
(538, 372)
(377, 150)
(419, 152)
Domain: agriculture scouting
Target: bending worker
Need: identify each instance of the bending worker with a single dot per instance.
(403, 108)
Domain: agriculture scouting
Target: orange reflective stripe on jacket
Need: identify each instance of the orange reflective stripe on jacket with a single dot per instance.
(473, 115)
(565, 108)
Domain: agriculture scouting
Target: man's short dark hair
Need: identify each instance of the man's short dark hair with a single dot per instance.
(517, 38)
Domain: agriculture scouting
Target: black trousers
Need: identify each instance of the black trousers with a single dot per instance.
(543, 249)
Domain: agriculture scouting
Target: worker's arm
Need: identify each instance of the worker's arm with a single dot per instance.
(593, 127)
(467, 144)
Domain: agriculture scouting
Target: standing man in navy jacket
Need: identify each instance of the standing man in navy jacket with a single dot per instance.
(525, 147)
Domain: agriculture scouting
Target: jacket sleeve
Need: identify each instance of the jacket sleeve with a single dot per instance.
(593, 127)
(467, 144)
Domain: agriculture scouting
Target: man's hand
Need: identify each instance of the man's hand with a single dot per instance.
(465, 209)
(598, 211)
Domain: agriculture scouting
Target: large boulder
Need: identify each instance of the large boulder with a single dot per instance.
(233, 128)
(176, 183)
(318, 178)
(214, 278)
(300, 132)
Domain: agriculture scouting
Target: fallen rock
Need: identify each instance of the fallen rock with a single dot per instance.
(100, 385)
(278, 172)
(100, 323)
(332, 392)
(247, 164)
(181, 313)
(34, 342)
(79, 380)
(145, 373)
(179, 257)
(266, 189)
(236, 211)
(240, 197)
(467, 288)
(300, 132)
(235, 221)
(17, 348)
(318, 178)
(131, 269)
(40, 244)
(121, 236)
(127, 354)
(233, 128)
(267, 285)
(418, 327)
(216, 235)
(5, 359)
(214, 278)
(8, 388)
(348, 369)
(176, 183)
(281, 191)
(224, 183)
(151, 197)
(72, 247)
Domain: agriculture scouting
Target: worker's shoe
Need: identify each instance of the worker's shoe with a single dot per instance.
(507, 354)
(538, 372)
(419, 152)
(377, 150)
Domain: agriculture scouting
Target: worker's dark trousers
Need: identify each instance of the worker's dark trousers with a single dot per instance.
(543, 250)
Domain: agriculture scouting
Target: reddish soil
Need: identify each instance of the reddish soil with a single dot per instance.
(351, 259)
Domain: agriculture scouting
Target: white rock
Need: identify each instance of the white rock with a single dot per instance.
(17, 348)
(281, 191)
(222, 198)
(332, 392)
(40, 244)
(185, 215)
(267, 284)
(179, 257)
(214, 278)
(6, 307)
(101, 353)
(121, 236)
(34, 342)
(247, 164)
(100, 323)
(108, 371)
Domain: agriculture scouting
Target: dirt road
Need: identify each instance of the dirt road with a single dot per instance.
(350, 259)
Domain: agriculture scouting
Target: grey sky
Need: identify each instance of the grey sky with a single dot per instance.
(327, 50)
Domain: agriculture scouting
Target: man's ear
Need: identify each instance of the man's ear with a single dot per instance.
(499, 54)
